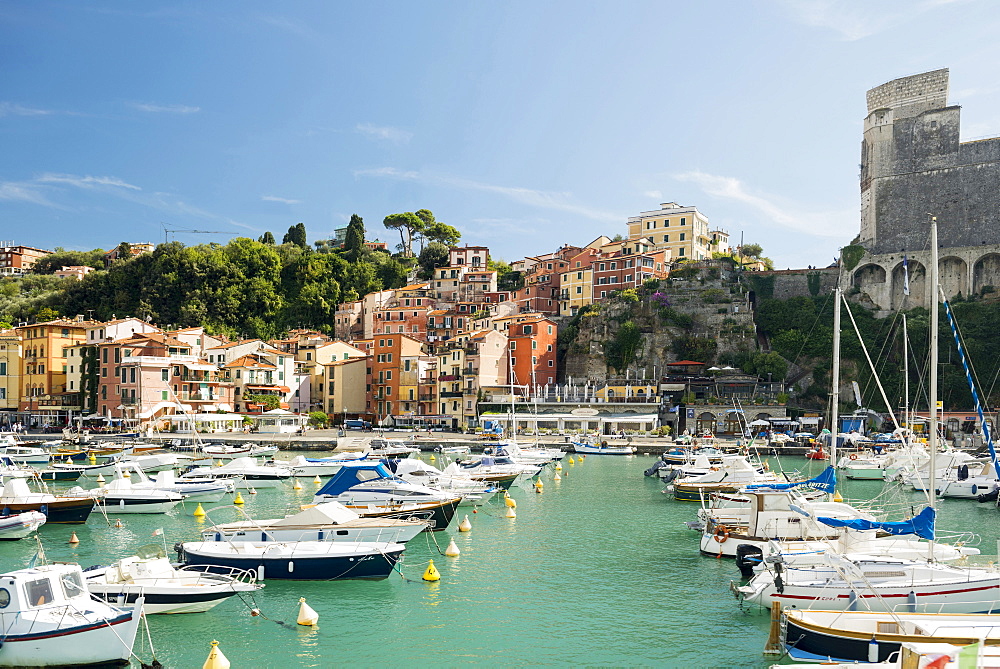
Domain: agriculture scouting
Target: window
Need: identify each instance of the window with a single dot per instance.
(164, 374)
(3, 369)
(604, 293)
(579, 290)
(666, 238)
(682, 236)
(683, 221)
(513, 345)
(104, 355)
(39, 592)
(552, 363)
(680, 251)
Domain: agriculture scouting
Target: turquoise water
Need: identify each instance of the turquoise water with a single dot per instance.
(596, 570)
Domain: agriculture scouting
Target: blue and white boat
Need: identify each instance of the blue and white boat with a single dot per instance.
(595, 447)
(48, 619)
(295, 560)
(369, 489)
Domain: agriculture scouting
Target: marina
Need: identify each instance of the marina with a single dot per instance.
(649, 598)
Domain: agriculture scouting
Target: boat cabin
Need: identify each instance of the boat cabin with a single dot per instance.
(37, 587)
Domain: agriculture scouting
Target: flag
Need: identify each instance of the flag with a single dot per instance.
(158, 531)
(968, 657)
(906, 275)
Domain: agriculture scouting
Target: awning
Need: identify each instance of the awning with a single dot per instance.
(280, 389)
(157, 408)
(224, 407)
(208, 407)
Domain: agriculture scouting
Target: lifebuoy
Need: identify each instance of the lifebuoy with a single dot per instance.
(721, 534)
(854, 456)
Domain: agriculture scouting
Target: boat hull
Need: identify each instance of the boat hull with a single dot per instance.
(94, 644)
(376, 565)
(163, 600)
(129, 505)
(438, 517)
(63, 511)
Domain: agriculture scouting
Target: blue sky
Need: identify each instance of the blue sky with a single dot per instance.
(526, 125)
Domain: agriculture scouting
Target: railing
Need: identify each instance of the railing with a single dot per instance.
(199, 397)
(448, 377)
(451, 394)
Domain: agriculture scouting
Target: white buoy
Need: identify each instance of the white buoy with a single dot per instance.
(100, 479)
(253, 491)
(297, 486)
(317, 480)
(557, 477)
(307, 616)
(452, 550)
(510, 513)
(465, 525)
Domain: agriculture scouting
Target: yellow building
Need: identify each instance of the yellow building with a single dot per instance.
(344, 387)
(44, 392)
(10, 371)
(682, 230)
(576, 290)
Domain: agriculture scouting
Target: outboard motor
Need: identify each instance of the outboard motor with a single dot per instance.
(988, 496)
(657, 466)
(748, 556)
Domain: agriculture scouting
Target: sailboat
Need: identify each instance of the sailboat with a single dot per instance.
(852, 581)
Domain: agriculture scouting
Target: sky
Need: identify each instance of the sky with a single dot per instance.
(525, 125)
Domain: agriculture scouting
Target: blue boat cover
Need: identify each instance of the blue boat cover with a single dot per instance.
(826, 481)
(353, 472)
(921, 524)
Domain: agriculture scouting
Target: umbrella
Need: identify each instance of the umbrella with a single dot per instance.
(760, 422)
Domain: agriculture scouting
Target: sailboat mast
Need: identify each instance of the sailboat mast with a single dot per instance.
(906, 384)
(933, 423)
(835, 394)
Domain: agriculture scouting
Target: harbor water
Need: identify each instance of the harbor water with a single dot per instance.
(596, 570)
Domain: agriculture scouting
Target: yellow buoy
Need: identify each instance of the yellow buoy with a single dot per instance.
(100, 478)
(297, 486)
(510, 513)
(465, 525)
(837, 497)
(74, 540)
(557, 477)
(432, 574)
(216, 660)
(452, 550)
(317, 480)
(307, 616)
(571, 460)
(118, 522)
(239, 499)
(199, 512)
(432, 457)
(539, 485)
(558, 467)
(508, 501)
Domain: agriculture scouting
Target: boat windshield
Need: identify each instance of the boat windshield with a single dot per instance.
(150, 551)
(72, 584)
(39, 592)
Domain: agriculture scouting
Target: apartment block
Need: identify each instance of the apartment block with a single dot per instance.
(10, 374)
(16, 260)
(684, 231)
(44, 366)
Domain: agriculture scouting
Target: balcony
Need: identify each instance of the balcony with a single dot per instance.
(448, 377)
(427, 398)
(202, 378)
(451, 394)
(199, 397)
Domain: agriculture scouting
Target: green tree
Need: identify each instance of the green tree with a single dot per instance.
(55, 261)
(621, 351)
(318, 419)
(433, 256)
(408, 225)
(693, 347)
(269, 401)
(354, 241)
(46, 314)
(296, 235)
(267, 238)
(752, 250)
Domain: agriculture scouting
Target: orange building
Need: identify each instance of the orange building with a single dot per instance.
(532, 348)
(16, 260)
(395, 374)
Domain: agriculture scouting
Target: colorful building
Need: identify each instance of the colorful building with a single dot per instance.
(683, 231)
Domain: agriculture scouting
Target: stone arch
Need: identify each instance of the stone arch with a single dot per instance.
(986, 272)
(706, 422)
(953, 275)
(918, 279)
(869, 274)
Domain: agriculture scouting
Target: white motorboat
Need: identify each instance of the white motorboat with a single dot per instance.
(20, 525)
(874, 583)
(193, 489)
(968, 481)
(48, 619)
(919, 479)
(370, 489)
(123, 496)
(221, 451)
(298, 560)
(530, 455)
(165, 589)
(329, 521)
(322, 467)
(26, 455)
(245, 471)
(732, 474)
(390, 448)
(472, 491)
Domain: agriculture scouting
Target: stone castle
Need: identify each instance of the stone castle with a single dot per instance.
(914, 166)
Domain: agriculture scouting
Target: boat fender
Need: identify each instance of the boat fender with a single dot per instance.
(975, 489)
(779, 583)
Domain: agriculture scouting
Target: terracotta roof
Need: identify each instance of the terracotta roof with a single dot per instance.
(685, 362)
(250, 360)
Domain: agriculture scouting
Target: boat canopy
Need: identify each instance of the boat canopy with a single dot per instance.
(328, 513)
(352, 473)
(826, 481)
(921, 524)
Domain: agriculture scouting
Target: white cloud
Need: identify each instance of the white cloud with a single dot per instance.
(527, 196)
(384, 133)
(22, 192)
(164, 109)
(653, 195)
(283, 200)
(823, 224)
(84, 182)
(12, 109)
